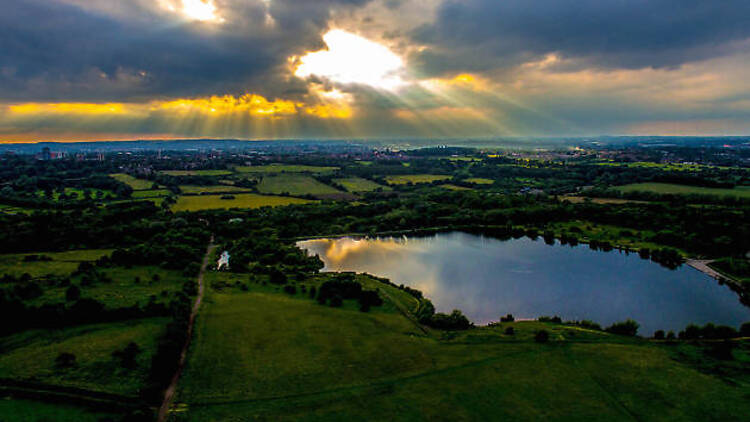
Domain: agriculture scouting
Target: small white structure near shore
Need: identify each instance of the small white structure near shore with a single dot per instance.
(223, 260)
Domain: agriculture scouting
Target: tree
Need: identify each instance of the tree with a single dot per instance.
(659, 335)
(510, 331)
(128, 355)
(507, 318)
(624, 328)
(73, 293)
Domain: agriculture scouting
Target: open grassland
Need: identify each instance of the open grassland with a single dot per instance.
(196, 172)
(61, 263)
(243, 200)
(20, 410)
(151, 193)
(195, 190)
(31, 355)
(265, 355)
(673, 189)
(285, 168)
(124, 287)
(294, 184)
(480, 181)
(136, 184)
(665, 166)
(414, 178)
(358, 184)
(454, 187)
(582, 199)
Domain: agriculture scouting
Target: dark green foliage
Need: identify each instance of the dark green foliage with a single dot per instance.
(659, 335)
(456, 320)
(290, 289)
(127, 356)
(73, 293)
(541, 336)
(510, 331)
(624, 328)
(507, 318)
(555, 319)
(65, 360)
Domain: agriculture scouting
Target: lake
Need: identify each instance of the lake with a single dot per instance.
(487, 278)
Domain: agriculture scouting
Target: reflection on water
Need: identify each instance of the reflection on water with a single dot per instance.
(487, 278)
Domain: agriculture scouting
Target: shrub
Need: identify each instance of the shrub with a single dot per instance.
(510, 331)
(65, 360)
(507, 318)
(290, 289)
(745, 330)
(542, 336)
(455, 321)
(555, 319)
(624, 328)
(659, 335)
(73, 293)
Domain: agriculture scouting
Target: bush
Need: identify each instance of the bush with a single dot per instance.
(507, 318)
(542, 336)
(336, 301)
(659, 335)
(290, 289)
(624, 328)
(73, 293)
(510, 331)
(745, 330)
(555, 319)
(455, 321)
(65, 360)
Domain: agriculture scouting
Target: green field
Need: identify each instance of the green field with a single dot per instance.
(673, 189)
(265, 355)
(12, 209)
(212, 189)
(294, 184)
(62, 263)
(136, 184)
(480, 181)
(19, 410)
(454, 187)
(31, 355)
(242, 200)
(665, 166)
(152, 193)
(414, 178)
(285, 168)
(358, 184)
(196, 172)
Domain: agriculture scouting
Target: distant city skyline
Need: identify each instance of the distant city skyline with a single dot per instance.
(76, 70)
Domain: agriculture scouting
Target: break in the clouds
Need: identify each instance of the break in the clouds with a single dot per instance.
(77, 69)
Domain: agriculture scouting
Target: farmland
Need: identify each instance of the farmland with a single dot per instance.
(196, 172)
(673, 189)
(295, 185)
(358, 184)
(195, 190)
(415, 178)
(136, 184)
(480, 181)
(58, 263)
(242, 200)
(285, 168)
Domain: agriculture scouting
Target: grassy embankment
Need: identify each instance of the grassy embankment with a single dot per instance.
(265, 354)
(133, 182)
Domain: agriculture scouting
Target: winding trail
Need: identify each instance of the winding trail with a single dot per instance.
(169, 392)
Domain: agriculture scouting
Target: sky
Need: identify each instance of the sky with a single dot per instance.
(82, 70)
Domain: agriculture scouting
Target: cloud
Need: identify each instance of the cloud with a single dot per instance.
(110, 49)
(484, 34)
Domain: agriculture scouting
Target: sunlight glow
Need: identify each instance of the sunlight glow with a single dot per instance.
(67, 108)
(351, 59)
(199, 10)
(253, 104)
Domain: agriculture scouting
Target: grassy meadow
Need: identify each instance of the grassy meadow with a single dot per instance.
(243, 200)
(414, 178)
(285, 168)
(196, 190)
(480, 181)
(295, 185)
(135, 183)
(358, 185)
(196, 172)
(31, 355)
(149, 193)
(262, 354)
(20, 410)
(674, 189)
(60, 263)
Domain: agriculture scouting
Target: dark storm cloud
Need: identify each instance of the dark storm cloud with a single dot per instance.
(482, 34)
(52, 51)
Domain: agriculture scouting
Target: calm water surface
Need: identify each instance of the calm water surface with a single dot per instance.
(487, 278)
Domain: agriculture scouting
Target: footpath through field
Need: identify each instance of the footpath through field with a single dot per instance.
(169, 393)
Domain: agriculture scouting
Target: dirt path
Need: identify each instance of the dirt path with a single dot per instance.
(169, 393)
